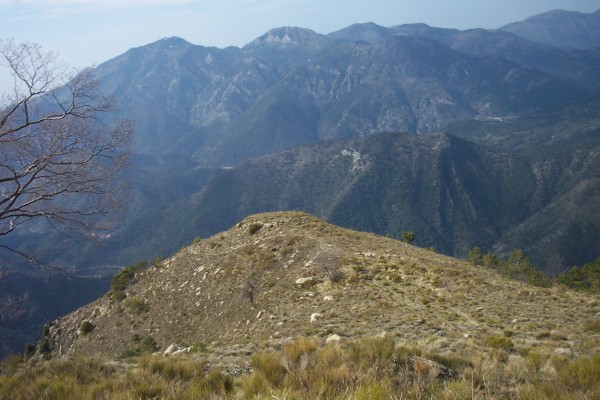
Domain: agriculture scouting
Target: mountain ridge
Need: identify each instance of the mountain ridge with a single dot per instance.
(269, 279)
(568, 29)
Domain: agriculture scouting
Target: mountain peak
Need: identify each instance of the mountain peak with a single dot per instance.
(285, 36)
(368, 32)
(173, 41)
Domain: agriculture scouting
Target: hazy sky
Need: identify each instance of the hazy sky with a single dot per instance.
(87, 32)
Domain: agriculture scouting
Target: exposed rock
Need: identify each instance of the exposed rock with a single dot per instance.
(328, 298)
(175, 349)
(307, 282)
(315, 316)
(333, 339)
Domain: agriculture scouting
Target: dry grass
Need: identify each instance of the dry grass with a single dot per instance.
(370, 368)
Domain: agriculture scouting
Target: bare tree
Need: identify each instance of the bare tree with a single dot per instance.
(60, 152)
(13, 307)
(329, 262)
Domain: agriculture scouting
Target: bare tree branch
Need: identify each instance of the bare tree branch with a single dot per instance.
(12, 307)
(60, 153)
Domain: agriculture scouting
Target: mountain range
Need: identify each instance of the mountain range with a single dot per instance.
(200, 111)
(484, 138)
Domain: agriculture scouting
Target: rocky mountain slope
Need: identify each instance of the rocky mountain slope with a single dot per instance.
(293, 86)
(277, 276)
(199, 109)
(455, 194)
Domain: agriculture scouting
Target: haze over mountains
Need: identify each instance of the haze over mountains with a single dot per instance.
(200, 109)
(485, 138)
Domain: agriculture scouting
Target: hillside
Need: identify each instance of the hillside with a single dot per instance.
(293, 86)
(453, 193)
(250, 310)
(258, 283)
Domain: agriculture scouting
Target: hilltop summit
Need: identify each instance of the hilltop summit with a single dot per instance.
(277, 276)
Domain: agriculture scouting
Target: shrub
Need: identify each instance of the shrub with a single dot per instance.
(29, 350)
(298, 360)
(45, 348)
(455, 362)
(254, 385)
(475, 256)
(581, 374)
(174, 368)
(136, 306)
(216, 382)
(86, 327)
(374, 354)
(140, 346)
(254, 227)
(295, 350)
(499, 342)
(122, 279)
(408, 237)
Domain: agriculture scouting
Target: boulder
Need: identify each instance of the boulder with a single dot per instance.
(175, 349)
(333, 339)
(307, 282)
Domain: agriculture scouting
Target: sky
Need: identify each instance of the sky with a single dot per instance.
(88, 32)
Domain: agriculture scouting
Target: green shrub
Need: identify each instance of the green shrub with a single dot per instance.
(475, 256)
(408, 237)
(254, 227)
(136, 306)
(216, 382)
(140, 346)
(254, 385)
(86, 327)
(295, 350)
(199, 347)
(122, 279)
(173, 368)
(499, 342)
